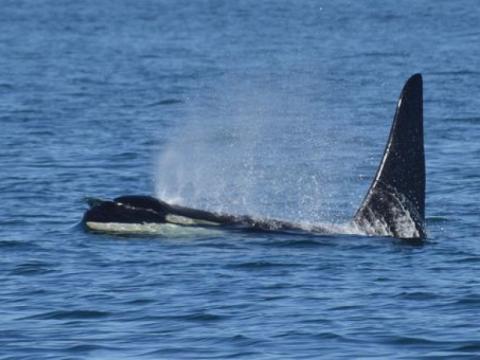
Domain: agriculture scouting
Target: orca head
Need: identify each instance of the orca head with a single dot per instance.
(143, 202)
(132, 209)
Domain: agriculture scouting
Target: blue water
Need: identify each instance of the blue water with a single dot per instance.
(272, 108)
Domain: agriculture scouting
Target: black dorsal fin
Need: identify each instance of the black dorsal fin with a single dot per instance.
(395, 202)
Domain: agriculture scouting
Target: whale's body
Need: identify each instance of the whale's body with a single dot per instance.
(394, 204)
(138, 213)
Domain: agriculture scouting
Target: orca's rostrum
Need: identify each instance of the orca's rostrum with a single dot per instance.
(394, 204)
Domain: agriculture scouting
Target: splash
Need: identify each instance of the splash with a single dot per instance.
(259, 152)
(402, 216)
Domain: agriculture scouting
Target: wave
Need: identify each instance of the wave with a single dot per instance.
(69, 315)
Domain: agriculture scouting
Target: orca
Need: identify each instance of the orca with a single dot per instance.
(393, 206)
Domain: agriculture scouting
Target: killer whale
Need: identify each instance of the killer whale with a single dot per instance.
(393, 206)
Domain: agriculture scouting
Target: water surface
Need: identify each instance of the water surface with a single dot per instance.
(268, 108)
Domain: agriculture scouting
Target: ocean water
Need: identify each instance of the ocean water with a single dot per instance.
(270, 108)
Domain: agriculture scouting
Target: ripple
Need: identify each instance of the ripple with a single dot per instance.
(166, 102)
(21, 222)
(475, 120)
(69, 315)
(410, 340)
(248, 354)
(437, 219)
(201, 317)
(18, 244)
(140, 302)
(86, 348)
(326, 335)
(345, 307)
(374, 54)
(32, 268)
(470, 300)
(6, 86)
(300, 243)
(456, 73)
(473, 346)
(418, 295)
(468, 260)
(259, 265)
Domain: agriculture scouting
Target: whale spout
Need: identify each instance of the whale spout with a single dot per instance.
(393, 206)
(395, 202)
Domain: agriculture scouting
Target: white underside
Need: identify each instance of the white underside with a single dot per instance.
(150, 228)
(179, 226)
(182, 220)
